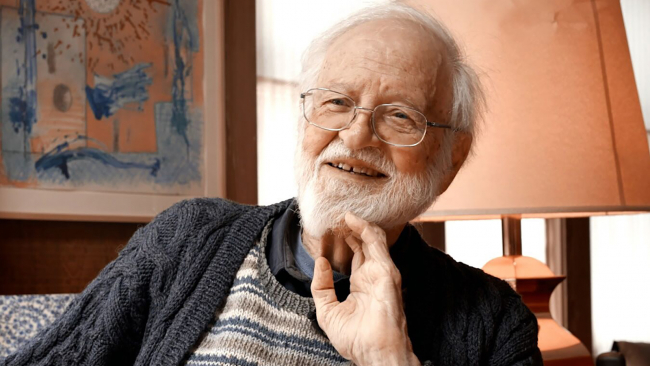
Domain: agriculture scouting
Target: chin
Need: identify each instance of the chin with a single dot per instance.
(323, 204)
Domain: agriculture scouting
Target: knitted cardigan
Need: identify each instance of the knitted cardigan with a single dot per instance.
(150, 305)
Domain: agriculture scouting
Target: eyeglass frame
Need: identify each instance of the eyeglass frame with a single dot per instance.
(372, 117)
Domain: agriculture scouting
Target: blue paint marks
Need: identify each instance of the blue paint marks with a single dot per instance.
(181, 162)
(111, 94)
(62, 155)
(23, 108)
(20, 112)
(181, 30)
(17, 109)
(175, 167)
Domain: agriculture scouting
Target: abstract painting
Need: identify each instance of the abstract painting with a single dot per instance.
(102, 95)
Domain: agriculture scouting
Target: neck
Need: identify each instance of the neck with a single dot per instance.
(333, 247)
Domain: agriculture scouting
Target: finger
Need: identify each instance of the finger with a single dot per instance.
(354, 243)
(322, 290)
(358, 258)
(372, 236)
(355, 223)
(357, 261)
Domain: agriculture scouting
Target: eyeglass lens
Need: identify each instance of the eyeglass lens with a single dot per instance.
(392, 123)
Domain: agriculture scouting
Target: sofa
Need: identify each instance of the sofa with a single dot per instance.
(23, 316)
(626, 354)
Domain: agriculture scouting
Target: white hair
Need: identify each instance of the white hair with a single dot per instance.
(323, 202)
(468, 98)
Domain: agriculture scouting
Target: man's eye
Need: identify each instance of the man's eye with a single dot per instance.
(401, 115)
(340, 102)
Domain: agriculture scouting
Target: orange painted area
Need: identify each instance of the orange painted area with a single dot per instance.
(117, 41)
(77, 43)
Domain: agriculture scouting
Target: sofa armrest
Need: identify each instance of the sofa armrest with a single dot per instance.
(612, 358)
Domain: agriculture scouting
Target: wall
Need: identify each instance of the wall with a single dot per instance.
(42, 257)
(636, 14)
(620, 246)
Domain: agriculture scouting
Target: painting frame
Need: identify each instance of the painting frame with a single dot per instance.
(80, 205)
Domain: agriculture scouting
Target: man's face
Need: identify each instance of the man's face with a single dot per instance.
(380, 62)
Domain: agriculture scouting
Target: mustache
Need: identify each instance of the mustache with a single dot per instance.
(370, 155)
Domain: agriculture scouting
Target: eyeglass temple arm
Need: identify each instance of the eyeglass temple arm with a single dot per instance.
(440, 125)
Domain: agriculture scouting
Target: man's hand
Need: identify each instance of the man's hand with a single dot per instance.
(369, 327)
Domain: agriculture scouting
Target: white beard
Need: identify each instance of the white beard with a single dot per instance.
(324, 202)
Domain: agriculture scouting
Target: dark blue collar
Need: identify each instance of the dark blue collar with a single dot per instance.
(286, 250)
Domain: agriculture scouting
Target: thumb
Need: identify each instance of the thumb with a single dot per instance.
(322, 289)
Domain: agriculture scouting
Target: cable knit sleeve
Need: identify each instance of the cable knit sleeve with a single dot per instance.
(106, 322)
(516, 336)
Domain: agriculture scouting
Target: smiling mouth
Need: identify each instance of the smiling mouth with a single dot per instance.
(367, 172)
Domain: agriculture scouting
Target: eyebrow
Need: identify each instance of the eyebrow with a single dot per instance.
(413, 105)
(345, 88)
(338, 86)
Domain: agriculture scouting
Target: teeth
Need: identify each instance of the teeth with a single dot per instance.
(365, 171)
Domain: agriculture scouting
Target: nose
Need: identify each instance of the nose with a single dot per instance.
(359, 134)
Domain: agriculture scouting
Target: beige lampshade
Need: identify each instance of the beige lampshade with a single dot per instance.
(564, 134)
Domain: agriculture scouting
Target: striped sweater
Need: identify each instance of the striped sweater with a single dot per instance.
(263, 323)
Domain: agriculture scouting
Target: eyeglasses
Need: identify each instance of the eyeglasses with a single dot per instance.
(393, 124)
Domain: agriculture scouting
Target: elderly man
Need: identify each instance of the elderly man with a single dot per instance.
(338, 275)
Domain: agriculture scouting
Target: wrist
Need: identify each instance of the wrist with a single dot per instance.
(391, 358)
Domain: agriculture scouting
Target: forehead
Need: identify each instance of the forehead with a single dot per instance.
(396, 58)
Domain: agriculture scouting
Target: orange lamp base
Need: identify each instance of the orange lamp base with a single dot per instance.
(535, 282)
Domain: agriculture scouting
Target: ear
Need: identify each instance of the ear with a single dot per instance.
(460, 151)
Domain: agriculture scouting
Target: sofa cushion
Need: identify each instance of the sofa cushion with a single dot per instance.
(23, 316)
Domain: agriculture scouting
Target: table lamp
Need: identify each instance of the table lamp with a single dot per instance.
(564, 135)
